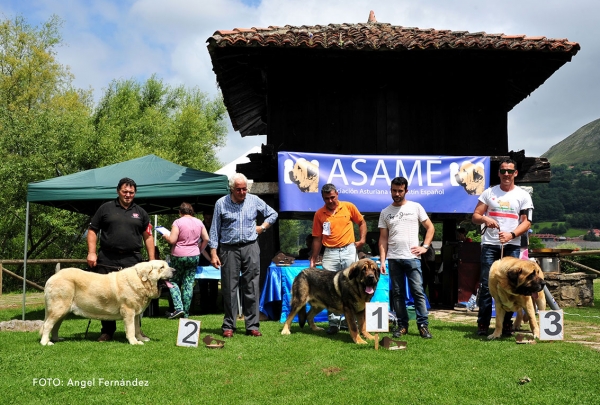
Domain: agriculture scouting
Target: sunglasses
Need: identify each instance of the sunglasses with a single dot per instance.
(509, 171)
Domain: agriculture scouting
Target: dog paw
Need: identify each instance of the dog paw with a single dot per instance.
(360, 341)
(494, 336)
(316, 329)
(369, 336)
(286, 332)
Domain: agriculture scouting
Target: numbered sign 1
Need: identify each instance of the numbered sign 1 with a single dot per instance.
(377, 316)
(188, 333)
(551, 325)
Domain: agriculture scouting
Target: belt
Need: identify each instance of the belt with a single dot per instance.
(119, 251)
(338, 248)
(238, 244)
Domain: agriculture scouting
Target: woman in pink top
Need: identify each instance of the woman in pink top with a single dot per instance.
(189, 238)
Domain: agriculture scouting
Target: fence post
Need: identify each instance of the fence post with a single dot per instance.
(1, 271)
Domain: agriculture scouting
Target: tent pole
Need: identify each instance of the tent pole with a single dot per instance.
(155, 225)
(25, 258)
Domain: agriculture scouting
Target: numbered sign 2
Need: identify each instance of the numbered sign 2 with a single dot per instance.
(188, 333)
(551, 325)
(377, 316)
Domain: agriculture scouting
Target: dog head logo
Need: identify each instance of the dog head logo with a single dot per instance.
(305, 175)
(504, 205)
(471, 177)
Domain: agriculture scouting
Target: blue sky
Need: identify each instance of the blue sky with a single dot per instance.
(122, 39)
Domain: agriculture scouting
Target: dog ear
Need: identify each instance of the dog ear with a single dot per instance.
(354, 270)
(478, 173)
(142, 270)
(513, 275)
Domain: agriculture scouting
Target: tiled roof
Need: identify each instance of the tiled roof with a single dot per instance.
(383, 37)
(236, 57)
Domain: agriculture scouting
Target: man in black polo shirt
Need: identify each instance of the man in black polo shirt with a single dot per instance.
(122, 226)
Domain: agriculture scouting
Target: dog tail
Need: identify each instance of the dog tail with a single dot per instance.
(302, 316)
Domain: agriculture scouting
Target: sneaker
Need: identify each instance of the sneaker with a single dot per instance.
(424, 331)
(333, 330)
(482, 330)
(175, 315)
(144, 337)
(401, 331)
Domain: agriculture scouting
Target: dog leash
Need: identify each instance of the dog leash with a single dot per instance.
(501, 245)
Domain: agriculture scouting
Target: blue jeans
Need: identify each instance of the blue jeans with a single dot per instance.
(336, 259)
(489, 254)
(411, 268)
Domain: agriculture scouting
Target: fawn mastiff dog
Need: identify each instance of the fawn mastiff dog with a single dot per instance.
(121, 294)
(345, 291)
(513, 282)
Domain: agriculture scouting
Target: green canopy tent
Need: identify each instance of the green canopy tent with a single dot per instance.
(161, 187)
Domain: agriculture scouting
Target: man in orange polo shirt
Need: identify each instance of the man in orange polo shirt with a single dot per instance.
(332, 228)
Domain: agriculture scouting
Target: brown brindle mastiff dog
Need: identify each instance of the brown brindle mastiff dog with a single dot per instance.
(345, 291)
(512, 284)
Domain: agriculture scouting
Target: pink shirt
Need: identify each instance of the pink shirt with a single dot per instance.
(190, 229)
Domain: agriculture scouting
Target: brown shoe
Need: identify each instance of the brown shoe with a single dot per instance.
(253, 332)
(227, 333)
(105, 337)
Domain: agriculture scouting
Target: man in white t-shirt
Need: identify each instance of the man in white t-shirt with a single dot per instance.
(399, 244)
(504, 212)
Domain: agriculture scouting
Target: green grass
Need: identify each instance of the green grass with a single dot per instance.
(571, 232)
(455, 367)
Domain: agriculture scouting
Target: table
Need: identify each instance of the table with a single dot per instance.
(278, 289)
(208, 273)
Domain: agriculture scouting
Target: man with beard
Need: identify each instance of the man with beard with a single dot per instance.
(399, 244)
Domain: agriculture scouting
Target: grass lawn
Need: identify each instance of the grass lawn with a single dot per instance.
(455, 367)
(570, 233)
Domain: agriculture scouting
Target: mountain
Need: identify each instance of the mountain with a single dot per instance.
(582, 146)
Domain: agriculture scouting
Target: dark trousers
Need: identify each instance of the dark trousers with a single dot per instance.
(244, 260)
(489, 254)
(108, 262)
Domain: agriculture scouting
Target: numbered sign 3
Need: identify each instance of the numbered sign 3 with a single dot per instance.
(551, 325)
(188, 333)
(377, 317)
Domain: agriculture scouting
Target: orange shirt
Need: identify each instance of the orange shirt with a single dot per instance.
(340, 223)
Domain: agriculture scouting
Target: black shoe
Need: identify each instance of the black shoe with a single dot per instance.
(176, 314)
(424, 331)
(332, 330)
(401, 331)
(482, 330)
(507, 329)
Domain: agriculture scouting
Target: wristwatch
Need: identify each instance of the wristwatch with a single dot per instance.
(426, 246)
(513, 235)
(264, 228)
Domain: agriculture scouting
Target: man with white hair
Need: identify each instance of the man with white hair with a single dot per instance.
(235, 230)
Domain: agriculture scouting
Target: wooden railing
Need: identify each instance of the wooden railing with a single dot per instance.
(58, 263)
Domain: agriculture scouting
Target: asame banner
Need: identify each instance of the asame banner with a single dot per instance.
(442, 184)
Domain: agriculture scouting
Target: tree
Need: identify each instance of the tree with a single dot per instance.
(41, 118)
(178, 124)
(48, 128)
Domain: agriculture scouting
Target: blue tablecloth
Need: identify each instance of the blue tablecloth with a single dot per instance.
(208, 273)
(278, 287)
